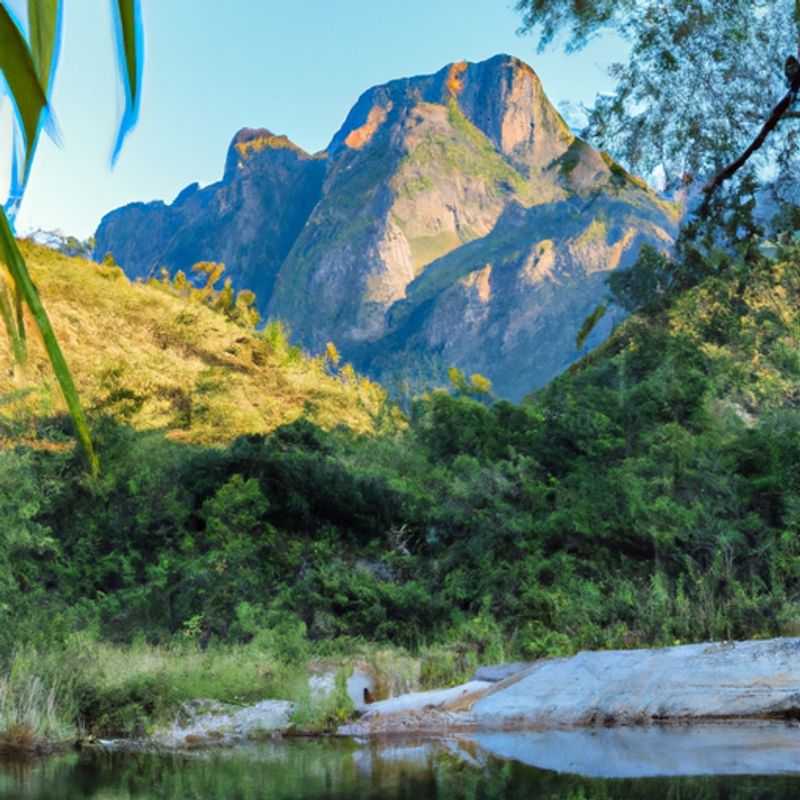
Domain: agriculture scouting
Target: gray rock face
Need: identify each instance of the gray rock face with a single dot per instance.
(510, 304)
(500, 672)
(455, 220)
(249, 220)
(207, 722)
(420, 167)
(704, 681)
(691, 683)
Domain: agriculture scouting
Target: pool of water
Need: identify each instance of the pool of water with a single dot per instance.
(757, 762)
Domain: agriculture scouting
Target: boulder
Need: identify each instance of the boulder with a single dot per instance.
(690, 682)
(203, 723)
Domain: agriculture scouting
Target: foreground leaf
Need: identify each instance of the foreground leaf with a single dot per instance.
(16, 64)
(10, 254)
(44, 21)
(11, 324)
(128, 21)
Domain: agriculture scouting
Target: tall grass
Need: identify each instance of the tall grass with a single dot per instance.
(32, 714)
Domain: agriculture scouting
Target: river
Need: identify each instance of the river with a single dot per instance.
(759, 761)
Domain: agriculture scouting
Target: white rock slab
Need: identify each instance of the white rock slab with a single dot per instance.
(421, 701)
(704, 681)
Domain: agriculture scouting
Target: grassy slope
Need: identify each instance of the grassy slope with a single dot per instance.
(160, 361)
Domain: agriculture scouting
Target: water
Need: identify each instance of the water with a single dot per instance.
(580, 765)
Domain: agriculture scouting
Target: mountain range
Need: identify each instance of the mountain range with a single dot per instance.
(453, 220)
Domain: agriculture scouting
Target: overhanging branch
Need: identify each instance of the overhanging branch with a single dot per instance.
(780, 111)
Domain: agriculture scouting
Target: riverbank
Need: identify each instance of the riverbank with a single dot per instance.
(623, 763)
(182, 697)
(84, 690)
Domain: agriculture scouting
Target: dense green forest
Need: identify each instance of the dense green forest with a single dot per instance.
(248, 509)
(650, 495)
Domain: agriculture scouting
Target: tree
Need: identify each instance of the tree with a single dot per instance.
(28, 66)
(704, 92)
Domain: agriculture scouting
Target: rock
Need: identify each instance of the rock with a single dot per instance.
(500, 672)
(416, 711)
(419, 701)
(361, 680)
(192, 710)
(202, 723)
(248, 220)
(322, 684)
(690, 683)
(268, 716)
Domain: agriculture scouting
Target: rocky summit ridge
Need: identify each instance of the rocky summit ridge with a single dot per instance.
(454, 220)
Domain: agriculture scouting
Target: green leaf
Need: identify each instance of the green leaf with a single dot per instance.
(128, 21)
(127, 14)
(43, 19)
(20, 318)
(16, 64)
(11, 324)
(10, 254)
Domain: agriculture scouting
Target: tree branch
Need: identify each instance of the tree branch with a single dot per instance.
(779, 112)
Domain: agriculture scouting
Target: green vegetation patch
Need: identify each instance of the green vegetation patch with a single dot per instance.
(465, 150)
(649, 496)
(425, 249)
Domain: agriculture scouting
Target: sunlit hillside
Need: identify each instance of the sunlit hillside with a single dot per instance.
(159, 360)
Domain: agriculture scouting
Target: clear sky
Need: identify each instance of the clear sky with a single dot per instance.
(213, 67)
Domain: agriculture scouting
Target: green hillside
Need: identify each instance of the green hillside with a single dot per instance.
(649, 495)
(157, 359)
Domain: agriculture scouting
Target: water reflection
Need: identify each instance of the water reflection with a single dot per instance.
(638, 752)
(487, 766)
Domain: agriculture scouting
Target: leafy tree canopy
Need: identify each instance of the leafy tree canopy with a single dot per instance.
(701, 79)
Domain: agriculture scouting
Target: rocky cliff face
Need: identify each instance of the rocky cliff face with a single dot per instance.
(249, 220)
(510, 304)
(421, 167)
(454, 220)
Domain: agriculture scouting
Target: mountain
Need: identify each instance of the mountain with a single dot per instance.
(249, 220)
(454, 220)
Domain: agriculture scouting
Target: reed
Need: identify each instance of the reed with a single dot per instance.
(31, 715)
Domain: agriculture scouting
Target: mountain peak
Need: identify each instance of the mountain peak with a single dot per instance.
(502, 96)
(248, 142)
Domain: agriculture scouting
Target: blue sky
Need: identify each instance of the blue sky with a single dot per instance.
(213, 67)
